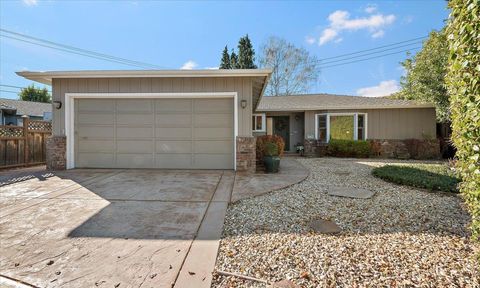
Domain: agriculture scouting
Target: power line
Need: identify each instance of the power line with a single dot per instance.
(76, 50)
(371, 49)
(12, 86)
(6, 91)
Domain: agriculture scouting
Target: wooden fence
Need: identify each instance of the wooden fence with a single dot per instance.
(24, 146)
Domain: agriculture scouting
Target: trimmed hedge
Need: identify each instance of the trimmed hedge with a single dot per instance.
(348, 148)
(463, 83)
(429, 176)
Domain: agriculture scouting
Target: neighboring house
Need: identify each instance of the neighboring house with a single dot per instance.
(203, 119)
(11, 111)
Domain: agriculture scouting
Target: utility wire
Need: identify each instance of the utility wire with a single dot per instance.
(76, 50)
(11, 86)
(6, 91)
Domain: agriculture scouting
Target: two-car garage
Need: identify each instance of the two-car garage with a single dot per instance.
(185, 133)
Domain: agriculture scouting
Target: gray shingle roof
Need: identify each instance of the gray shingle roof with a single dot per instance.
(331, 101)
(26, 107)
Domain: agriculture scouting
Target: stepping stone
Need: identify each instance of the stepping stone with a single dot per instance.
(351, 192)
(324, 226)
(284, 284)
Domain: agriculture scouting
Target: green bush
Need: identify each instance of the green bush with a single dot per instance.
(263, 140)
(435, 177)
(463, 83)
(348, 148)
(271, 149)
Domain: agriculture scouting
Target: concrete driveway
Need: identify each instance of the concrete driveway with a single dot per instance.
(112, 228)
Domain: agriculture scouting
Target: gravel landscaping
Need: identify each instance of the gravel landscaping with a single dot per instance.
(401, 236)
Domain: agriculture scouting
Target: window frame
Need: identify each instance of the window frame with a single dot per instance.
(355, 124)
(264, 124)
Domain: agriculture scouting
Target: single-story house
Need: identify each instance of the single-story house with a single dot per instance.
(203, 119)
(12, 111)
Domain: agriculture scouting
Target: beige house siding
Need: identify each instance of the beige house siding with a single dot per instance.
(418, 123)
(242, 85)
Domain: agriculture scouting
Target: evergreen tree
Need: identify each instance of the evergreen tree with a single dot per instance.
(233, 60)
(246, 54)
(31, 93)
(225, 62)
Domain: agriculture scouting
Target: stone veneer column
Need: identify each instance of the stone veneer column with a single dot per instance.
(56, 152)
(246, 158)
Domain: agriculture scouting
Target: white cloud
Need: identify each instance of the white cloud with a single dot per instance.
(340, 21)
(370, 9)
(189, 65)
(385, 88)
(212, 68)
(30, 2)
(310, 39)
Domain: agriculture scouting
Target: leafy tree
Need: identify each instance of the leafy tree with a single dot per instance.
(463, 83)
(425, 75)
(233, 60)
(294, 69)
(33, 94)
(246, 54)
(225, 62)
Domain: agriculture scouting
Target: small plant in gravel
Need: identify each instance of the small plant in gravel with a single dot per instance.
(435, 177)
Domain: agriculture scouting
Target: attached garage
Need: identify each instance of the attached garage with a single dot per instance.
(154, 133)
(166, 119)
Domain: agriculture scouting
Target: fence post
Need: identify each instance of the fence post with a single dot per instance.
(25, 141)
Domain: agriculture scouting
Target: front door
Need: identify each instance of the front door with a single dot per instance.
(281, 127)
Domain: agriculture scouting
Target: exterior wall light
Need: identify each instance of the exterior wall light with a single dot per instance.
(243, 103)
(57, 104)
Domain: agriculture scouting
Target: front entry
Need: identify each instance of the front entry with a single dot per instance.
(281, 127)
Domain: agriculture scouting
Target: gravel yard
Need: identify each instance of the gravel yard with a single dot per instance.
(400, 237)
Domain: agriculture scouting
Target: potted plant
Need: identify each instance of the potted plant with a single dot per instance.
(271, 159)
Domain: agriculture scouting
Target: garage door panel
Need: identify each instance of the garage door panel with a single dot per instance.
(213, 133)
(173, 146)
(134, 119)
(173, 161)
(134, 105)
(95, 160)
(173, 120)
(213, 120)
(174, 133)
(135, 160)
(95, 118)
(98, 105)
(135, 146)
(173, 105)
(214, 147)
(134, 132)
(96, 145)
(90, 131)
(213, 105)
(213, 161)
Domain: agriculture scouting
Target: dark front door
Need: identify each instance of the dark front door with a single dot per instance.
(281, 127)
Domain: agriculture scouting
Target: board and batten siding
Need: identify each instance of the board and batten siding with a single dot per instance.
(410, 123)
(241, 85)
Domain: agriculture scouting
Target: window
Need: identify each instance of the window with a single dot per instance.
(258, 122)
(344, 126)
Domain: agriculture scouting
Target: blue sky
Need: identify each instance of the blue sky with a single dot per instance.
(193, 34)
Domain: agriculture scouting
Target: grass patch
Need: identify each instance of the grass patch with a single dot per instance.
(434, 177)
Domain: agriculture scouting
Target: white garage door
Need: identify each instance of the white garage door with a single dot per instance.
(154, 133)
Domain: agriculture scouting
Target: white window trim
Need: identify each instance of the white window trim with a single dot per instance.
(355, 124)
(70, 115)
(264, 124)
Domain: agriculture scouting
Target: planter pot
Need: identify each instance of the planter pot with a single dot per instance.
(271, 163)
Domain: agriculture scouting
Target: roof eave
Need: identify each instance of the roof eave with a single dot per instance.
(346, 108)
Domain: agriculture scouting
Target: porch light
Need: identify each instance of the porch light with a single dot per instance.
(57, 104)
(243, 103)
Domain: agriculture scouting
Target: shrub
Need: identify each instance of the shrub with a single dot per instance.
(463, 34)
(263, 140)
(348, 148)
(429, 176)
(271, 149)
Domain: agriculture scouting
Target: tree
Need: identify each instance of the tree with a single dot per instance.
(233, 60)
(425, 75)
(463, 34)
(246, 54)
(33, 94)
(225, 61)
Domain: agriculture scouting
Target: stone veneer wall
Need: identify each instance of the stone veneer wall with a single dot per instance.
(386, 148)
(246, 158)
(56, 153)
